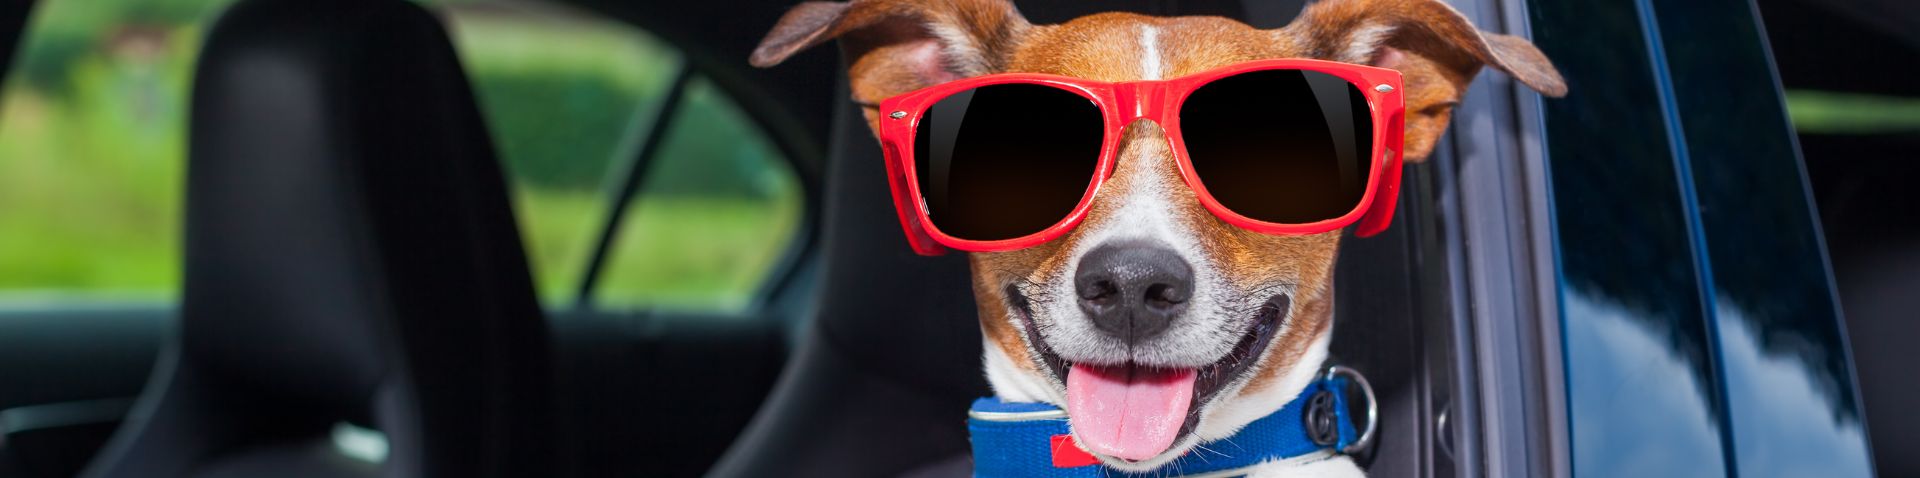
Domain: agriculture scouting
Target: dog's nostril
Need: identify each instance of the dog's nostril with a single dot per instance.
(1101, 291)
(1161, 296)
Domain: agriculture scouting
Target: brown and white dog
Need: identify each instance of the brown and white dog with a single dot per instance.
(1258, 315)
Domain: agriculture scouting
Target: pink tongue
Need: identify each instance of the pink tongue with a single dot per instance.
(1125, 411)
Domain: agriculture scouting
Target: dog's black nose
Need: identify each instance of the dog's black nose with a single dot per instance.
(1133, 290)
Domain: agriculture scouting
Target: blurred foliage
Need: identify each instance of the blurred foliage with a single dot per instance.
(91, 134)
(531, 74)
(92, 123)
(66, 32)
(707, 212)
(1827, 112)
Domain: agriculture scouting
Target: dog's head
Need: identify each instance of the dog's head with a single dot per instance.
(1154, 323)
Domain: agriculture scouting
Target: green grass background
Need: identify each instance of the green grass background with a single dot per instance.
(92, 148)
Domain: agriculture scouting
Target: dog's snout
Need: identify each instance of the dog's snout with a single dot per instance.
(1133, 290)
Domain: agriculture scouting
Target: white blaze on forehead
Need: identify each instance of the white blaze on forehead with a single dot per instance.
(1150, 56)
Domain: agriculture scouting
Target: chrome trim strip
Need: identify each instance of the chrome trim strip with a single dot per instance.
(1017, 416)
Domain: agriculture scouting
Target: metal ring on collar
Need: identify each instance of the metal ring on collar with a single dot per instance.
(1373, 408)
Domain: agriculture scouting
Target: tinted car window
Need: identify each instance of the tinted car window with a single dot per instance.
(1642, 398)
(1857, 130)
(1786, 373)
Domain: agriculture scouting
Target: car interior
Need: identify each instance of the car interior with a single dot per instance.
(352, 262)
(341, 267)
(353, 269)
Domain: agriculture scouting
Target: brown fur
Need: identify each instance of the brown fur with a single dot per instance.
(1435, 48)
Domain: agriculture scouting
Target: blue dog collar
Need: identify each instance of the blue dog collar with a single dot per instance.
(1018, 440)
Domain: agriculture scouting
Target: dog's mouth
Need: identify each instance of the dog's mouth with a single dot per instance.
(1135, 412)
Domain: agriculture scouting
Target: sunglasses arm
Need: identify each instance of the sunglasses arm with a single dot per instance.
(917, 237)
(1386, 193)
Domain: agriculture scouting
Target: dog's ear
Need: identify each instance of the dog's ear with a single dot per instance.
(895, 46)
(1435, 48)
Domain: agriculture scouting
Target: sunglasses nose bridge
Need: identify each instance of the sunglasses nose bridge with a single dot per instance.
(1140, 100)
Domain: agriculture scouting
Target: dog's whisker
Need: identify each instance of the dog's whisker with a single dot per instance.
(1209, 450)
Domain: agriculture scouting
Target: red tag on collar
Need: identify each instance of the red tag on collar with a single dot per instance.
(1067, 454)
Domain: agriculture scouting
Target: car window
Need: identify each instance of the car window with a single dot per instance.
(1856, 134)
(711, 218)
(92, 150)
(572, 100)
(1789, 390)
(1698, 315)
(92, 141)
(559, 93)
(1640, 381)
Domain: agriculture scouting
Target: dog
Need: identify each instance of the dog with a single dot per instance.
(1037, 327)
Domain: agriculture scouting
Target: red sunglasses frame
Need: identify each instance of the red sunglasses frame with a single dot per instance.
(1120, 105)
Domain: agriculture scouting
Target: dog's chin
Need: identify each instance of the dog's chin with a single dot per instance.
(1212, 382)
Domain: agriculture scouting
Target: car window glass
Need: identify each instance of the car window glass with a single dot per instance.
(92, 147)
(559, 91)
(1856, 135)
(570, 99)
(712, 218)
(93, 117)
(1788, 383)
(1641, 388)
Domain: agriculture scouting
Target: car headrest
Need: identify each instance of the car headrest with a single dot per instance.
(350, 255)
(332, 168)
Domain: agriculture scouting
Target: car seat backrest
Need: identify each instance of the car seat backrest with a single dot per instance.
(350, 256)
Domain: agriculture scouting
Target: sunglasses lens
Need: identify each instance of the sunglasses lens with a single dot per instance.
(1005, 161)
(1281, 146)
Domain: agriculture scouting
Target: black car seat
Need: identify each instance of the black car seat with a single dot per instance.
(351, 256)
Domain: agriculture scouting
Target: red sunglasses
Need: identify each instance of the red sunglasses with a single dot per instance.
(1008, 161)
